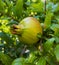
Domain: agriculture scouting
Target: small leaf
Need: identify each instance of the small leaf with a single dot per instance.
(50, 59)
(31, 57)
(49, 6)
(12, 22)
(52, 7)
(18, 8)
(37, 7)
(39, 35)
(57, 39)
(6, 38)
(55, 28)
(6, 60)
(1, 6)
(57, 52)
(7, 2)
(41, 61)
(57, 18)
(48, 44)
(48, 18)
(19, 61)
(56, 7)
(10, 7)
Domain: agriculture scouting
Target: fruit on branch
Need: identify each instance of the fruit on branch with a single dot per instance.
(27, 30)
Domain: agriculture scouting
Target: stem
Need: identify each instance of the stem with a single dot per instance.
(23, 51)
(45, 6)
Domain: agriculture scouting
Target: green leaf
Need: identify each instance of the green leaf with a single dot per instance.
(57, 39)
(50, 59)
(1, 6)
(48, 44)
(49, 6)
(41, 61)
(48, 18)
(55, 1)
(21, 61)
(18, 61)
(31, 57)
(6, 38)
(12, 22)
(18, 8)
(57, 7)
(6, 60)
(55, 28)
(57, 18)
(57, 52)
(10, 7)
(7, 2)
(37, 7)
(52, 7)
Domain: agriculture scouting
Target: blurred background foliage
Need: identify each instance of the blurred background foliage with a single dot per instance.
(46, 51)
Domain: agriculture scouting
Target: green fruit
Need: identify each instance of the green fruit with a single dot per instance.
(27, 30)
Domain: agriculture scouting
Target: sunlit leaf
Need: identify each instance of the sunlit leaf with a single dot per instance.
(18, 8)
(52, 7)
(57, 39)
(55, 28)
(38, 7)
(1, 6)
(57, 52)
(7, 2)
(41, 61)
(12, 22)
(48, 44)
(50, 60)
(6, 38)
(57, 18)
(47, 22)
(5, 59)
(31, 57)
(21, 61)
(55, 1)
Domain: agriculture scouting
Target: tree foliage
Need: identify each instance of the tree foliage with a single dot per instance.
(46, 51)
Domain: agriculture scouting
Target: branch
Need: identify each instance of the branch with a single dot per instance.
(45, 6)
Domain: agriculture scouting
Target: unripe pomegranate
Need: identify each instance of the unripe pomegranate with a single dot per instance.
(27, 30)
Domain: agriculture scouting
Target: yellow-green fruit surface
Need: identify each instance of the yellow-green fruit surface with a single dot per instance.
(30, 29)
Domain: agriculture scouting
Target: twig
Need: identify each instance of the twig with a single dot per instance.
(23, 51)
(45, 6)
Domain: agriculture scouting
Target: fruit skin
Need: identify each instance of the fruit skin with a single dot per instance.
(27, 30)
